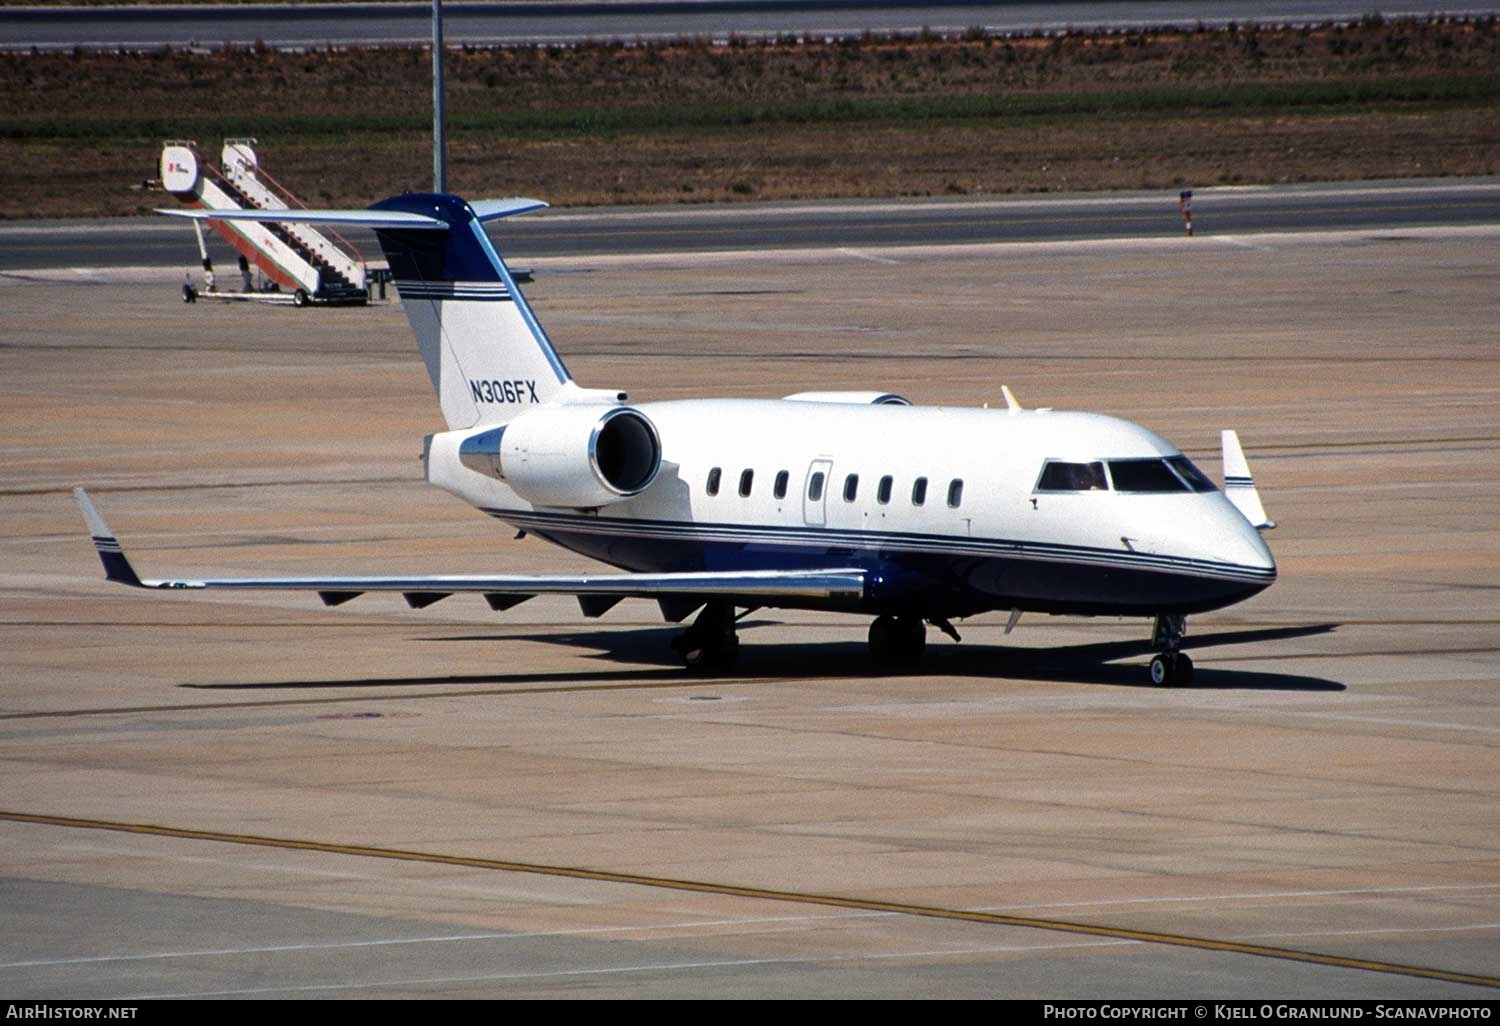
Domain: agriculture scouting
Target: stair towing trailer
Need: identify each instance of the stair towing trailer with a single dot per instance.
(297, 264)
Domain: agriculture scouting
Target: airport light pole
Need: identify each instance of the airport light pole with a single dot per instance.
(439, 135)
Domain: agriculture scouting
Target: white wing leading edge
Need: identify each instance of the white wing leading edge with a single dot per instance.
(678, 593)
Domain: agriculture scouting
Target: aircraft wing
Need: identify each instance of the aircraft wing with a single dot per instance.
(678, 593)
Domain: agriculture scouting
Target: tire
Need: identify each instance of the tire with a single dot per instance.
(189, 294)
(897, 641)
(299, 298)
(707, 660)
(1171, 669)
(883, 642)
(726, 656)
(911, 634)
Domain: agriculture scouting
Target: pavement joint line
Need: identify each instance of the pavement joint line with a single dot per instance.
(765, 894)
(566, 689)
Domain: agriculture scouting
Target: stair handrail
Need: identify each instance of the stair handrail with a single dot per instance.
(264, 176)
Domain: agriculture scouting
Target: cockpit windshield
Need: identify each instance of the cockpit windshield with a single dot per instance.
(1151, 474)
(1196, 479)
(1058, 476)
(1144, 476)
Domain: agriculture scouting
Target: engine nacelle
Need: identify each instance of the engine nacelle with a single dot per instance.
(578, 456)
(853, 398)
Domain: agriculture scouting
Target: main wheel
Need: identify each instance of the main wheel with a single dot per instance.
(189, 294)
(883, 639)
(701, 657)
(897, 640)
(911, 640)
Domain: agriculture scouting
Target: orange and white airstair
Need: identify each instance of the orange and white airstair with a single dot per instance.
(299, 263)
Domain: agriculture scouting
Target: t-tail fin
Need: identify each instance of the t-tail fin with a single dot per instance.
(487, 356)
(485, 351)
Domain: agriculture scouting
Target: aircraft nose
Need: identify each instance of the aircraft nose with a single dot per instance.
(1244, 546)
(1260, 553)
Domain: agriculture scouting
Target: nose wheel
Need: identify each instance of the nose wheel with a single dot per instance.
(1171, 666)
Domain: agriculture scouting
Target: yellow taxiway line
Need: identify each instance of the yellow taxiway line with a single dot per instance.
(766, 894)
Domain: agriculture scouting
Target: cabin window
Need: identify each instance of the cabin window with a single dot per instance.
(919, 491)
(815, 487)
(956, 492)
(1144, 476)
(1058, 476)
(747, 480)
(883, 492)
(779, 489)
(851, 487)
(713, 481)
(1196, 479)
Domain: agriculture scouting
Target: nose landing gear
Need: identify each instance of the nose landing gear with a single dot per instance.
(1171, 666)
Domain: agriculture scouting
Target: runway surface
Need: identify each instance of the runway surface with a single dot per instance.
(515, 24)
(1392, 205)
(229, 795)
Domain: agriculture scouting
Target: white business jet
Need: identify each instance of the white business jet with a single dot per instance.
(851, 502)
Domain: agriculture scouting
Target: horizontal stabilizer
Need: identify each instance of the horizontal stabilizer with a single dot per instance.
(484, 210)
(494, 209)
(1239, 486)
(504, 590)
(346, 218)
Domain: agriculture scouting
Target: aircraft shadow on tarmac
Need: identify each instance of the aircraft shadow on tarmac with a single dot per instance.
(642, 656)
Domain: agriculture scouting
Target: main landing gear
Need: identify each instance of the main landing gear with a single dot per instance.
(710, 645)
(1170, 665)
(898, 640)
(901, 640)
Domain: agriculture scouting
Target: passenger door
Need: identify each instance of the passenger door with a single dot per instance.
(815, 493)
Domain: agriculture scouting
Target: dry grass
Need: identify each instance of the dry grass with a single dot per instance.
(694, 122)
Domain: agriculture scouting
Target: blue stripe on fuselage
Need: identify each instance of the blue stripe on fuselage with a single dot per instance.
(947, 575)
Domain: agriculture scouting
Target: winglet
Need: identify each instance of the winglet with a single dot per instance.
(1010, 399)
(1239, 486)
(116, 567)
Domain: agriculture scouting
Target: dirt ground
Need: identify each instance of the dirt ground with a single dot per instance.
(80, 133)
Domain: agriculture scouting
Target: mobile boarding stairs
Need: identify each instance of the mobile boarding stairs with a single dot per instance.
(299, 264)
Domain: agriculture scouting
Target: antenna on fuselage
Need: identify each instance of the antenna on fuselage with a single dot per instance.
(439, 135)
